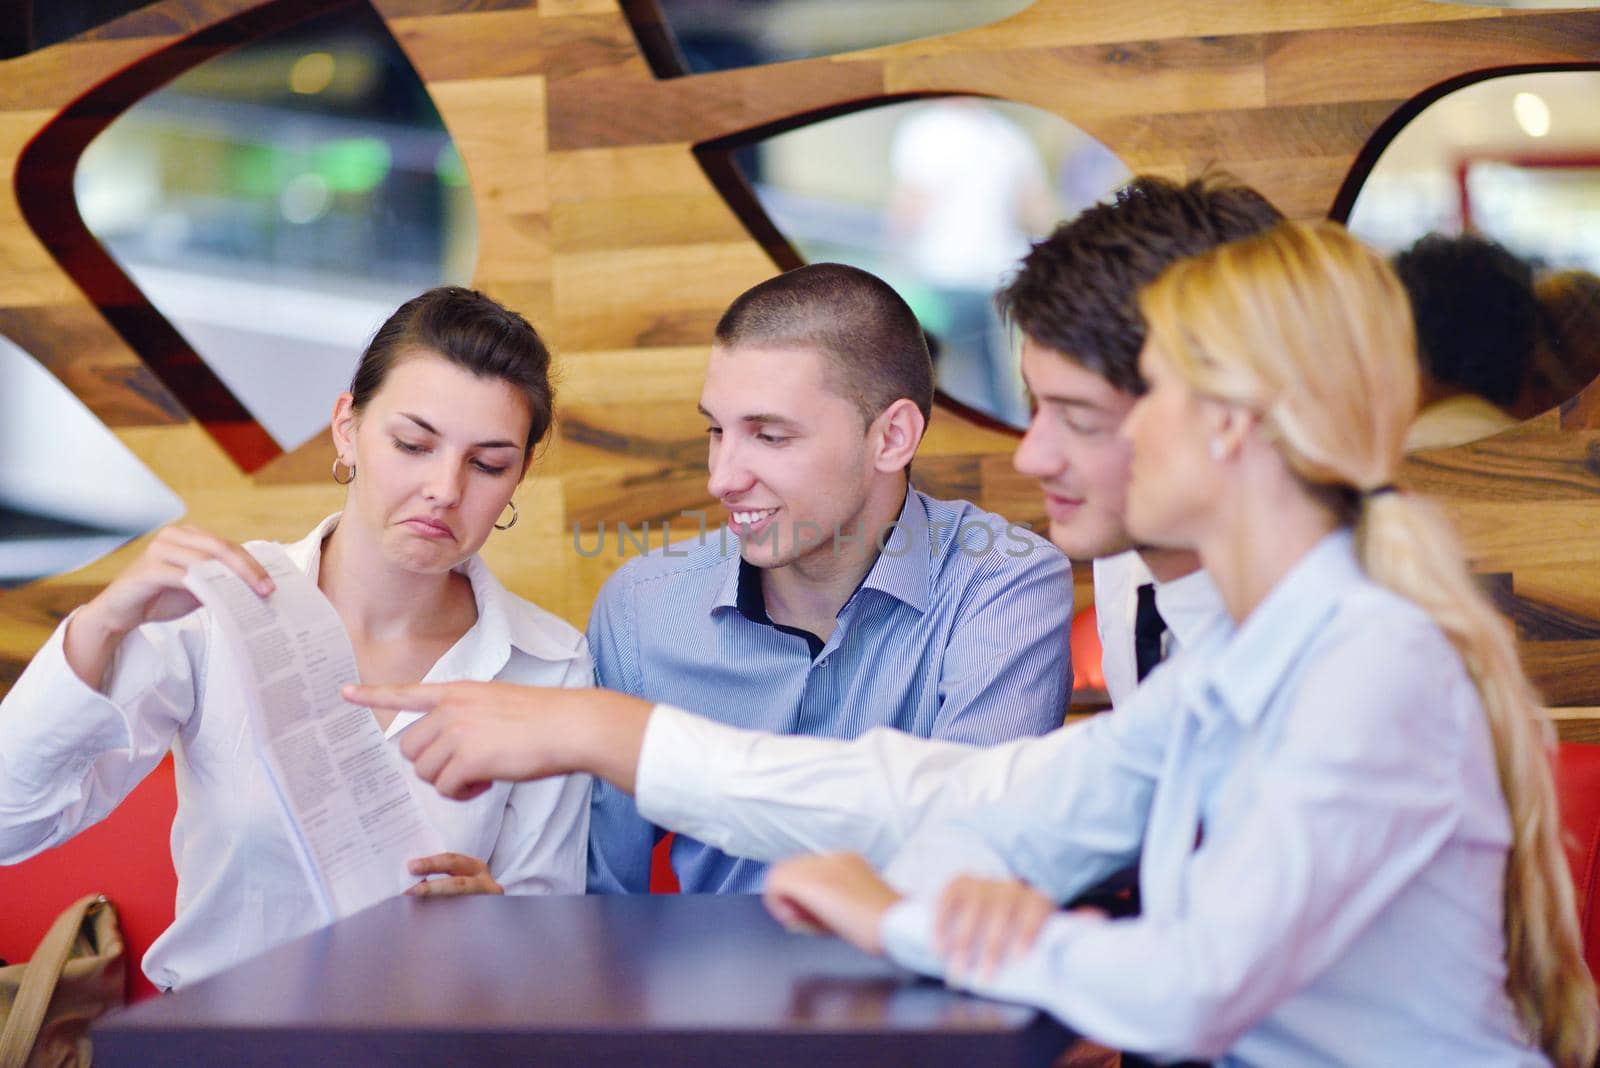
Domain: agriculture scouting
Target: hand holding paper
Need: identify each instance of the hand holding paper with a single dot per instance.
(342, 785)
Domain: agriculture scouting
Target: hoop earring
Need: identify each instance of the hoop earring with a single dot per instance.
(347, 480)
(508, 526)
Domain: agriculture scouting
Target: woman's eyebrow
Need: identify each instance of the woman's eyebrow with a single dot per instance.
(497, 443)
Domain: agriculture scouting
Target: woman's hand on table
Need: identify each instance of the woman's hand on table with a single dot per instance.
(980, 924)
(836, 893)
(461, 875)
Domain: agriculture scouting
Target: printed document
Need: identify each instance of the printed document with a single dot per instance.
(344, 788)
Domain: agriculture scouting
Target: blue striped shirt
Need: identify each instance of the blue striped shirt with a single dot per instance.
(958, 631)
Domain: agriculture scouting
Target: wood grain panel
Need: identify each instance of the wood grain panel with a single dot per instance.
(1082, 83)
(596, 220)
(1082, 22)
(1373, 63)
(585, 113)
(497, 44)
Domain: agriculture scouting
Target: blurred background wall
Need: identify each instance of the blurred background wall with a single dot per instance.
(212, 206)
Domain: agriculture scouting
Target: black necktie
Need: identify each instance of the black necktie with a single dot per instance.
(1148, 626)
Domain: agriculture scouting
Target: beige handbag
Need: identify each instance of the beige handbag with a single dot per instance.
(77, 973)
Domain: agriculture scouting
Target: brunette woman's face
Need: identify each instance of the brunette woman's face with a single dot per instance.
(438, 451)
(1174, 486)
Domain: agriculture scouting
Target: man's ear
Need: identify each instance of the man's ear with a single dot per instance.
(895, 435)
(343, 428)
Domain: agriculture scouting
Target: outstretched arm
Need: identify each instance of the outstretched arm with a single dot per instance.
(475, 733)
(748, 793)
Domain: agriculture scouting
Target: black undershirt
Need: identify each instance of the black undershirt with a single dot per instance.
(752, 604)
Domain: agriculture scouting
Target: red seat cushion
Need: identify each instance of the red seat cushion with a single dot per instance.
(1578, 788)
(127, 857)
(1085, 643)
(663, 880)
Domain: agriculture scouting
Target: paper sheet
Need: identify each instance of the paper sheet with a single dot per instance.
(344, 788)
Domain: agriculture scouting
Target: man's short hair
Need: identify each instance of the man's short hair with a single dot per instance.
(1075, 291)
(873, 348)
(1476, 313)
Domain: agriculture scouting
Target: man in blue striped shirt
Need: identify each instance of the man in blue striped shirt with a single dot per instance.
(838, 598)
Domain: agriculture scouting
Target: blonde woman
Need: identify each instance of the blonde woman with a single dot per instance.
(1348, 828)
(1339, 794)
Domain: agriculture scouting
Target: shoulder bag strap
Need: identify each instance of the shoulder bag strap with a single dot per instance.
(39, 984)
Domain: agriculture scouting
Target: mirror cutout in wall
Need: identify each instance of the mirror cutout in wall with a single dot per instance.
(697, 36)
(940, 197)
(277, 202)
(1513, 159)
(70, 492)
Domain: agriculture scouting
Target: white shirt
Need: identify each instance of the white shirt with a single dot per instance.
(1344, 907)
(765, 797)
(1188, 605)
(69, 755)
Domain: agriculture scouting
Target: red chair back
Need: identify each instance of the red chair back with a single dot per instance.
(663, 880)
(127, 857)
(1578, 788)
(1084, 641)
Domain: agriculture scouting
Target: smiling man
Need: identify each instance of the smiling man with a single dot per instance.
(838, 598)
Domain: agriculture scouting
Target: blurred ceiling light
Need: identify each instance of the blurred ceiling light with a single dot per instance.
(311, 73)
(1531, 113)
(305, 198)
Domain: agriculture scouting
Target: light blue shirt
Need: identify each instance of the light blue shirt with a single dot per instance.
(959, 631)
(1345, 903)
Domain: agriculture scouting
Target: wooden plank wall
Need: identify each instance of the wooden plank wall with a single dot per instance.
(596, 221)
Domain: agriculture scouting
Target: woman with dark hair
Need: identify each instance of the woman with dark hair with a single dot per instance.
(432, 439)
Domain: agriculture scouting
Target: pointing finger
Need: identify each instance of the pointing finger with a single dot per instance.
(421, 697)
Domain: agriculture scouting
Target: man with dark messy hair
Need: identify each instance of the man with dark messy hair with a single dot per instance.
(1074, 291)
(1072, 300)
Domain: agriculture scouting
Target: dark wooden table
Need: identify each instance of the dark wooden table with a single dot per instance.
(572, 980)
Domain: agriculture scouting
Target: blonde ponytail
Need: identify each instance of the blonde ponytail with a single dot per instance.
(1406, 544)
(1310, 328)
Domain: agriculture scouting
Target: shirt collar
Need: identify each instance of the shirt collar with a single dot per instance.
(901, 569)
(1255, 658)
(1189, 605)
(498, 629)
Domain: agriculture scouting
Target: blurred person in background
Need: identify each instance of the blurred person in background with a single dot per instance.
(1477, 325)
(1567, 357)
(970, 191)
